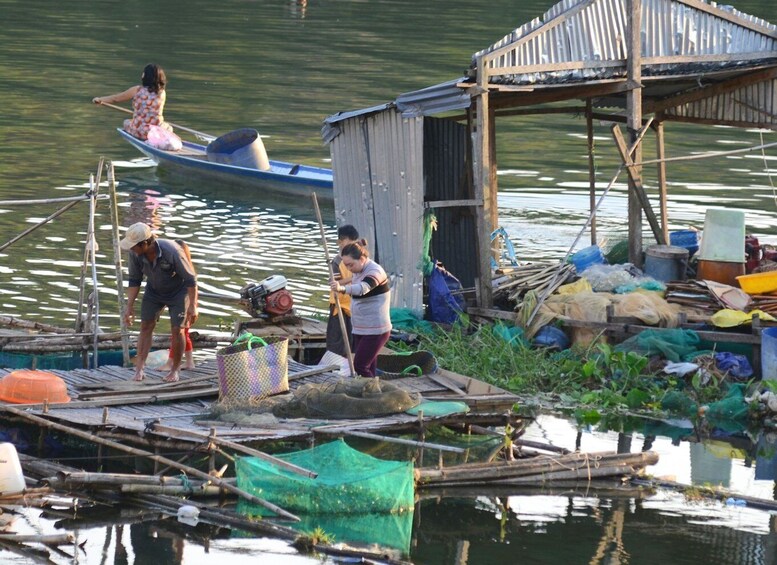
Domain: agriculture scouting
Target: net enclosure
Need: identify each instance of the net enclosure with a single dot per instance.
(348, 482)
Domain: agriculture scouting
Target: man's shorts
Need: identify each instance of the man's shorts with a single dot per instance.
(152, 307)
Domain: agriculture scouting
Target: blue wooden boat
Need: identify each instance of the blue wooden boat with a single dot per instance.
(282, 177)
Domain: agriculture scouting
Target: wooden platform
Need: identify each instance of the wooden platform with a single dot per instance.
(153, 413)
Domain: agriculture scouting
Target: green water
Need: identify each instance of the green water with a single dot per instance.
(282, 67)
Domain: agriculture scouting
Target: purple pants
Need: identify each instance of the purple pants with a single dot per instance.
(365, 352)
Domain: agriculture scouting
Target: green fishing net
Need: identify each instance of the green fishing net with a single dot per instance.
(348, 482)
(672, 344)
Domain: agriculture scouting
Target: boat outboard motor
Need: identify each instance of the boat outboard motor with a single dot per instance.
(267, 298)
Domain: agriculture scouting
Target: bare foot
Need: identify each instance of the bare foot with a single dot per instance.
(166, 367)
(139, 375)
(171, 377)
(188, 366)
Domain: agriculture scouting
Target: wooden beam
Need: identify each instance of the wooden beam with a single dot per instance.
(452, 203)
(636, 180)
(589, 128)
(545, 96)
(634, 114)
(661, 172)
(482, 171)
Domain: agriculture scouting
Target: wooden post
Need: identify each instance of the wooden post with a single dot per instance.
(589, 122)
(114, 205)
(634, 123)
(661, 166)
(212, 451)
(483, 190)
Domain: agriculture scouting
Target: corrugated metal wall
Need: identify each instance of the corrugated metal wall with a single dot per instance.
(594, 33)
(448, 178)
(378, 176)
(755, 104)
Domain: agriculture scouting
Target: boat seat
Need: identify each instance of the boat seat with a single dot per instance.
(294, 169)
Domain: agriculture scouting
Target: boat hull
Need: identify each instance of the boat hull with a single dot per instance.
(283, 177)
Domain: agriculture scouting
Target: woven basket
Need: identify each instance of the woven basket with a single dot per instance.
(254, 368)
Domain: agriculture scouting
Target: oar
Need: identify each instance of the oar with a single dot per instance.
(203, 136)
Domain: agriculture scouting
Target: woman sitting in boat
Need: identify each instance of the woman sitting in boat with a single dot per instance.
(148, 102)
(371, 297)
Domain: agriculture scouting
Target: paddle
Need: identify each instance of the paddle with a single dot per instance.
(203, 136)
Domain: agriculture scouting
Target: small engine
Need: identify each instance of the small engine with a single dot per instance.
(267, 298)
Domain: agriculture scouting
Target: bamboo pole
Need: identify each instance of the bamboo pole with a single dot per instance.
(346, 341)
(84, 264)
(53, 539)
(91, 239)
(114, 206)
(158, 458)
(201, 135)
(211, 437)
(37, 201)
(39, 224)
(12, 322)
(401, 441)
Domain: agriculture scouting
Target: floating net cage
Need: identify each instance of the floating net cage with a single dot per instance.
(348, 482)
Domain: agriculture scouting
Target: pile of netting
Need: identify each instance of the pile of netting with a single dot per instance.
(342, 398)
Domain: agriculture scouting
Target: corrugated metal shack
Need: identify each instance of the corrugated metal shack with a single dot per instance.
(666, 60)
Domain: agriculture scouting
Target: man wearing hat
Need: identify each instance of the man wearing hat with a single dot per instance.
(170, 281)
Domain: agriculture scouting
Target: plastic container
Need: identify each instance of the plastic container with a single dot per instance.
(719, 271)
(689, 239)
(724, 236)
(758, 283)
(586, 257)
(241, 148)
(769, 354)
(25, 386)
(666, 262)
(11, 477)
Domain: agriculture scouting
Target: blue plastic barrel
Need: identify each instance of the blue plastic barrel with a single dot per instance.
(769, 354)
(241, 148)
(586, 257)
(689, 239)
(666, 262)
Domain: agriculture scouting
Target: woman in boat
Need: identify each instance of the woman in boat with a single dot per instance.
(371, 297)
(148, 102)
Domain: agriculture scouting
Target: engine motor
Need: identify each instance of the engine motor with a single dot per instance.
(267, 298)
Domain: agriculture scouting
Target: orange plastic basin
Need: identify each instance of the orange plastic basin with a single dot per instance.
(759, 283)
(32, 387)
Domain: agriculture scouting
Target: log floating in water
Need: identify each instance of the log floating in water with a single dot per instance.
(575, 465)
(54, 539)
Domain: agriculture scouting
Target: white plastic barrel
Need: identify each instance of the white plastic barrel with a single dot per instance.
(11, 476)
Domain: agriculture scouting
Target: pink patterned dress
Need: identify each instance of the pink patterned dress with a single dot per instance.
(147, 111)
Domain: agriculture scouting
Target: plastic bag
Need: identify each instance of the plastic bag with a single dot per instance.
(444, 306)
(163, 139)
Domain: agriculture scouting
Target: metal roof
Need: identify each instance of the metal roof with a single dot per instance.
(580, 40)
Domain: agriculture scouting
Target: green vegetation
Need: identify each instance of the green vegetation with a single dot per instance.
(307, 543)
(591, 382)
